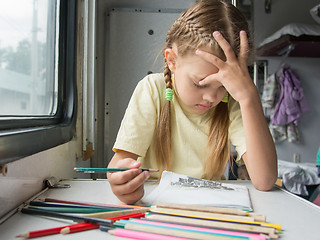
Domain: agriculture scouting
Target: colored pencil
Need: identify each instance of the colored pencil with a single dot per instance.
(198, 214)
(105, 228)
(74, 205)
(128, 216)
(179, 232)
(201, 229)
(93, 204)
(79, 228)
(99, 221)
(212, 209)
(72, 209)
(271, 232)
(105, 170)
(45, 232)
(193, 214)
(89, 226)
(142, 235)
(201, 208)
(115, 213)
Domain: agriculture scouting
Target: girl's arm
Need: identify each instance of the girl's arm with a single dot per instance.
(127, 185)
(260, 157)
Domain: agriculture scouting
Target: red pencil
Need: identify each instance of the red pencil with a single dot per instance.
(45, 232)
(88, 226)
(128, 216)
(79, 228)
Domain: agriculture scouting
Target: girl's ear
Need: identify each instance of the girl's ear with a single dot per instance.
(171, 58)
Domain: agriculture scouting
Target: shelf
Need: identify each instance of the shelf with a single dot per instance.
(302, 46)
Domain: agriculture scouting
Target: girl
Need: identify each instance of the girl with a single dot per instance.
(185, 119)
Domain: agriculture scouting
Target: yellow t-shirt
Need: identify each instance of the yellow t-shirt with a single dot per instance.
(189, 131)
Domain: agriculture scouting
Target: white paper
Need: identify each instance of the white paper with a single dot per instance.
(177, 188)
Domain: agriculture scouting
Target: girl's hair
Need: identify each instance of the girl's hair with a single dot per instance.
(191, 31)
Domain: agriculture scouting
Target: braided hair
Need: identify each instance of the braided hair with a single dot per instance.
(191, 31)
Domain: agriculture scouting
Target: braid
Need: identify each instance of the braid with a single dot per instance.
(167, 76)
(163, 131)
(194, 30)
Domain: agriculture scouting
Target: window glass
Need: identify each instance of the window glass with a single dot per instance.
(28, 58)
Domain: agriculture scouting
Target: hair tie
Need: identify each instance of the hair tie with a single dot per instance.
(225, 98)
(169, 94)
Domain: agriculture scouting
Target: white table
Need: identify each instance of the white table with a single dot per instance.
(299, 218)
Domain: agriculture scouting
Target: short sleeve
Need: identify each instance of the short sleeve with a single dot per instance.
(236, 130)
(139, 122)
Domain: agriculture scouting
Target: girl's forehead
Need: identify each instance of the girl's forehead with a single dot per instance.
(196, 65)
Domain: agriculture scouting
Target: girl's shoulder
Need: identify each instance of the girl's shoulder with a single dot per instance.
(154, 80)
(154, 83)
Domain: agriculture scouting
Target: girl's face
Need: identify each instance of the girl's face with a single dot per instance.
(188, 71)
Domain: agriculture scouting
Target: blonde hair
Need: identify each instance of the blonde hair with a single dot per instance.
(191, 31)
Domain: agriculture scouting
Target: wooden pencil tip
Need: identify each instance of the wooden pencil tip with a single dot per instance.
(65, 230)
(112, 231)
(24, 235)
(153, 170)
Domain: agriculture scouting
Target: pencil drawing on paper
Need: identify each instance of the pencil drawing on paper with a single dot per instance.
(199, 183)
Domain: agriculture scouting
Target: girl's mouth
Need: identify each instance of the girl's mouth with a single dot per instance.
(203, 107)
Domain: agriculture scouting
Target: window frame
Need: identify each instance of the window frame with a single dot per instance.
(24, 136)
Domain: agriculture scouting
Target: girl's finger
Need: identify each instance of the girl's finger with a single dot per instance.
(119, 178)
(244, 46)
(132, 197)
(135, 183)
(225, 46)
(209, 79)
(210, 58)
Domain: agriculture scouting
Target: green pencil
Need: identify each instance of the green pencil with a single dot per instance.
(105, 170)
(103, 222)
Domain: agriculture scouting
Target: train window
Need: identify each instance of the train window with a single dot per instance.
(28, 58)
(37, 75)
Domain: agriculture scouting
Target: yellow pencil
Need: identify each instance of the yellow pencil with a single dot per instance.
(194, 214)
(212, 209)
(202, 214)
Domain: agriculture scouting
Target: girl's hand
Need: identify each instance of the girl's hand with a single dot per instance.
(233, 72)
(127, 185)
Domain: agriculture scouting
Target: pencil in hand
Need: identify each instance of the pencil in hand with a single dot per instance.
(106, 170)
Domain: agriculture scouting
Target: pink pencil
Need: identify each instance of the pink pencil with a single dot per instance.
(231, 233)
(119, 232)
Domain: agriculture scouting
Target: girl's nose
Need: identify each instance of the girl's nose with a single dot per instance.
(210, 96)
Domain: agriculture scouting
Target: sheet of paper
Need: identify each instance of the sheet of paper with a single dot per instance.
(177, 188)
